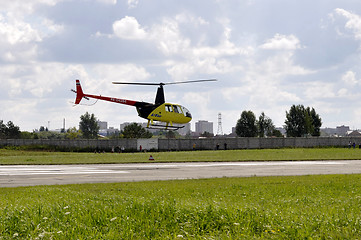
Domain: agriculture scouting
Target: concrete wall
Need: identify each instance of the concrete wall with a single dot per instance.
(187, 144)
(130, 144)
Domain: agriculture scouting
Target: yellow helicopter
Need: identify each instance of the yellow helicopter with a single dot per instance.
(159, 111)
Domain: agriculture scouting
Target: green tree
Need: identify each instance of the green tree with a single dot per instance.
(9, 130)
(135, 130)
(246, 125)
(12, 131)
(295, 121)
(88, 126)
(301, 121)
(265, 126)
(73, 133)
(276, 133)
(316, 122)
(207, 134)
(2, 130)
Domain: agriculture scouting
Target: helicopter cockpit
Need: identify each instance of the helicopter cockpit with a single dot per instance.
(178, 109)
(186, 112)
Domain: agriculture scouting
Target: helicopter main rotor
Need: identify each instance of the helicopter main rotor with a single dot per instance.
(168, 83)
(160, 99)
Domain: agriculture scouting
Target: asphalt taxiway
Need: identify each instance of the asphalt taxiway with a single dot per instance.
(31, 175)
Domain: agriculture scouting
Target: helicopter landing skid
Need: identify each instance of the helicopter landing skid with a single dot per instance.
(164, 127)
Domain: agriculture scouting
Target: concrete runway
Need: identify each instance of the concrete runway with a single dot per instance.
(31, 175)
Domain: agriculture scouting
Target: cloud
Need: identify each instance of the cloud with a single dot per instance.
(282, 42)
(353, 23)
(132, 3)
(128, 28)
(104, 74)
(112, 2)
(349, 78)
(14, 31)
(20, 36)
(319, 90)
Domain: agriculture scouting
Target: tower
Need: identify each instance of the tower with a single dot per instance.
(219, 131)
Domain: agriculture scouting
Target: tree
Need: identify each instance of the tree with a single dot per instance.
(9, 130)
(265, 126)
(12, 131)
(72, 133)
(207, 134)
(246, 125)
(135, 130)
(316, 122)
(89, 126)
(2, 130)
(301, 121)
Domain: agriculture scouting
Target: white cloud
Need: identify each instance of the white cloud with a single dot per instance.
(349, 78)
(20, 9)
(15, 32)
(282, 42)
(112, 2)
(281, 65)
(133, 3)
(343, 92)
(105, 74)
(169, 39)
(128, 28)
(319, 90)
(195, 58)
(353, 23)
(190, 18)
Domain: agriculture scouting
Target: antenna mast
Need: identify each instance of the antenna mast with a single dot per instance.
(219, 131)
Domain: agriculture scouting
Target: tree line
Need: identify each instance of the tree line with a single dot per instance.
(300, 122)
(88, 129)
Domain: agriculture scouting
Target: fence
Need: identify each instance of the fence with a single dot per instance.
(187, 144)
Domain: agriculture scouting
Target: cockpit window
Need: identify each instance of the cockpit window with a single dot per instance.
(168, 108)
(177, 109)
(186, 112)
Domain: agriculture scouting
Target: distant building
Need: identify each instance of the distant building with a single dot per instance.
(185, 130)
(342, 130)
(102, 125)
(327, 132)
(204, 126)
(354, 133)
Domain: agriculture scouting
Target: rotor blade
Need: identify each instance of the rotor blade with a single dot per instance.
(192, 81)
(135, 83)
(170, 83)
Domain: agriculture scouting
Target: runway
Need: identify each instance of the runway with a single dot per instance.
(31, 175)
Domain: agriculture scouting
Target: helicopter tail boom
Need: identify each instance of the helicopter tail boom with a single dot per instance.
(80, 95)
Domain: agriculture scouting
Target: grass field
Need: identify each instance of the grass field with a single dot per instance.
(42, 157)
(307, 207)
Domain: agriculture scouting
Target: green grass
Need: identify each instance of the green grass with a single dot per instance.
(42, 157)
(307, 207)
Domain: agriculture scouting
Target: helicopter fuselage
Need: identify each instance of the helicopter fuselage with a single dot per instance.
(170, 113)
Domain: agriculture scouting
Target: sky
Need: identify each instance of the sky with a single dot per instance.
(266, 56)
